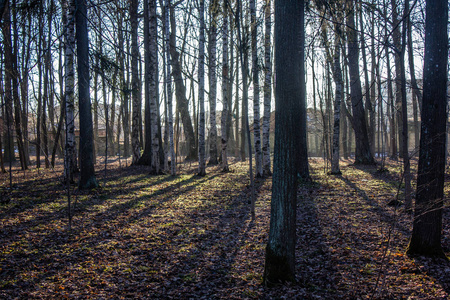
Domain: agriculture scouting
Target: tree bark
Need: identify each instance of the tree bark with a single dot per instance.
(212, 78)
(255, 74)
(135, 87)
(280, 250)
(201, 91)
(70, 152)
(427, 225)
(169, 124)
(267, 90)
(363, 154)
(180, 91)
(87, 174)
(225, 94)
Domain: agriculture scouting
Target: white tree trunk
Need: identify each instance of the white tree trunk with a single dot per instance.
(255, 71)
(337, 106)
(153, 74)
(267, 90)
(69, 50)
(169, 91)
(212, 78)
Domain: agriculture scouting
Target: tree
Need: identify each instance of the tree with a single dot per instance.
(225, 84)
(255, 73)
(135, 91)
(69, 49)
(87, 173)
(180, 90)
(289, 97)
(8, 89)
(212, 78)
(201, 91)
(337, 74)
(169, 123)
(427, 226)
(363, 153)
(267, 90)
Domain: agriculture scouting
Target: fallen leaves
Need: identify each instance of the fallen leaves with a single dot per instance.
(189, 237)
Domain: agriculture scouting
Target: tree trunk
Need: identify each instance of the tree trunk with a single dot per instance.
(363, 154)
(337, 74)
(201, 91)
(267, 89)
(70, 153)
(16, 94)
(87, 175)
(255, 74)
(154, 91)
(427, 226)
(225, 94)
(9, 71)
(406, 165)
(135, 91)
(169, 123)
(212, 78)
(180, 91)
(280, 250)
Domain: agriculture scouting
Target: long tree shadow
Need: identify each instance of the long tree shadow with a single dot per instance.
(385, 215)
(49, 242)
(317, 272)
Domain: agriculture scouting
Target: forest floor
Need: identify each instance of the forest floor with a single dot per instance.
(190, 237)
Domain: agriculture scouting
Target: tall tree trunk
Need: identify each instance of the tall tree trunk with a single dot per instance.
(302, 140)
(26, 54)
(16, 94)
(180, 90)
(135, 91)
(124, 90)
(427, 226)
(154, 92)
(70, 164)
(337, 74)
(363, 154)
(368, 102)
(236, 105)
(255, 74)
(416, 95)
(267, 89)
(397, 44)
(201, 91)
(280, 250)
(225, 94)
(212, 78)
(169, 123)
(87, 174)
(406, 165)
(9, 74)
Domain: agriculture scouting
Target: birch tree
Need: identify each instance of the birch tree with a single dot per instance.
(337, 74)
(212, 78)
(153, 89)
(69, 51)
(201, 91)
(169, 123)
(255, 73)
(267, 89)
